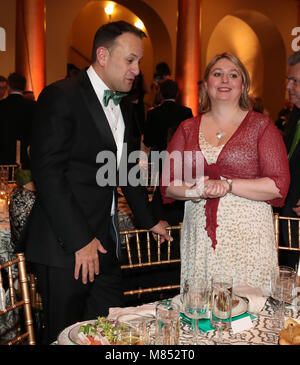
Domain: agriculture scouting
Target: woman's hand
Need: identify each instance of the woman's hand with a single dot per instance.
(215, 189)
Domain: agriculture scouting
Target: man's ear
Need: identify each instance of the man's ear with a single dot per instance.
(102, 54)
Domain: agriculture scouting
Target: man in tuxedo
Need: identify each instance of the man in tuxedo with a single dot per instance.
(72, 233)
(16, 114)
(292, 140)
(162, 122)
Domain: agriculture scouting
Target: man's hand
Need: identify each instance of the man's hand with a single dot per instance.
(160, 228)
(87, 260)
(297, 208)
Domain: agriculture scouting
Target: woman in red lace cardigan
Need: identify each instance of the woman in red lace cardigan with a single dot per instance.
(231, 167)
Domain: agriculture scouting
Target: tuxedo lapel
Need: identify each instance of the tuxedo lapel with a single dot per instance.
(126, 116)
(291, 127)
(96, 110)
(295, 156)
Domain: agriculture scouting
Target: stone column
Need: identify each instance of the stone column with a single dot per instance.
(188, 52)
(30, 43)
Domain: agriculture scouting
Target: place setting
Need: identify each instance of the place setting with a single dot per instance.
(208, 313)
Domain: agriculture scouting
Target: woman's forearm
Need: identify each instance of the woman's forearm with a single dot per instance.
(261, 189)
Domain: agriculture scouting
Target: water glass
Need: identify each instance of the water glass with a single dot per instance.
(130, 330)
(167, 323)
(221, 304)
(195, 306)
(283, 281)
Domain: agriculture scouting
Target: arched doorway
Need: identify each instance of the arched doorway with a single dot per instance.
(258, 43)
(157, 45)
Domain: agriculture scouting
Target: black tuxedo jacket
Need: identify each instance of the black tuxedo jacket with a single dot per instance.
(16, 115)
(294, 162)
(69, 130)
(162, 122)
(287, 257)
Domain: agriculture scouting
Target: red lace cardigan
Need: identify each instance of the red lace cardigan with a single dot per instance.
(255, 150)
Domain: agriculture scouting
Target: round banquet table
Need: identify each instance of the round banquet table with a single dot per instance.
(260, 334)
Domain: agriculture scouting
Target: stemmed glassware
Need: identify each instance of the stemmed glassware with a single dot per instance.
(221, 305)
(195, 305)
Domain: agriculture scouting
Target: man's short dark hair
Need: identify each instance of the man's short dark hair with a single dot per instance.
(163, 69)
(16, 81)
(3, 78)
(169, 89)
(294, 58)
(107, 33)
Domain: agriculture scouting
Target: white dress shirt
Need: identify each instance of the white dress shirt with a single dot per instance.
(113, 114)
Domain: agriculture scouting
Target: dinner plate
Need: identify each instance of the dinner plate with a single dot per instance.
(63, 337)
(239, 309)
(73, 333)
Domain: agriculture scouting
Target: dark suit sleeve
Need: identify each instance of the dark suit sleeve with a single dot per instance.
(150, 130)
(50, 149)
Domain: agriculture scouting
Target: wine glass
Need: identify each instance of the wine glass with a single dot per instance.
(221, 305)
(195, 302)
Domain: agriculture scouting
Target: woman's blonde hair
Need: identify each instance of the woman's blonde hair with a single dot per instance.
(244, 102)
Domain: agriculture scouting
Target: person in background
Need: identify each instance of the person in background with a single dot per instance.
(162, 122)
(283, 116)
(162, 73)
(228, 220)
(72, 70)
(136, 97)
(16, 113)
(28, 94)
(291, 132)
(3, 87)
(71, 235)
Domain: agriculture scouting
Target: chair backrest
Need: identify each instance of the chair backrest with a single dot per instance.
(143, 252)
(288, 228)
(17, 290)
(10, 171)
(149, 176)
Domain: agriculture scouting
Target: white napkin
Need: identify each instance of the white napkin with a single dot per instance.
(145, 309)
(254, 295)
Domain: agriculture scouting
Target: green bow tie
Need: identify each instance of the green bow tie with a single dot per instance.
(115, 96)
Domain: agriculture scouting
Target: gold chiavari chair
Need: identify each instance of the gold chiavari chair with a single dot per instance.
(149, 176)
(18, 299)
(10, 171)
(146, 256)
(286, 223)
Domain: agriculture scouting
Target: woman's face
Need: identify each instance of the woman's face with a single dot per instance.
(224, 82)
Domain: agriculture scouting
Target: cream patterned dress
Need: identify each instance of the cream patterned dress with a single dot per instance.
(246, 247)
